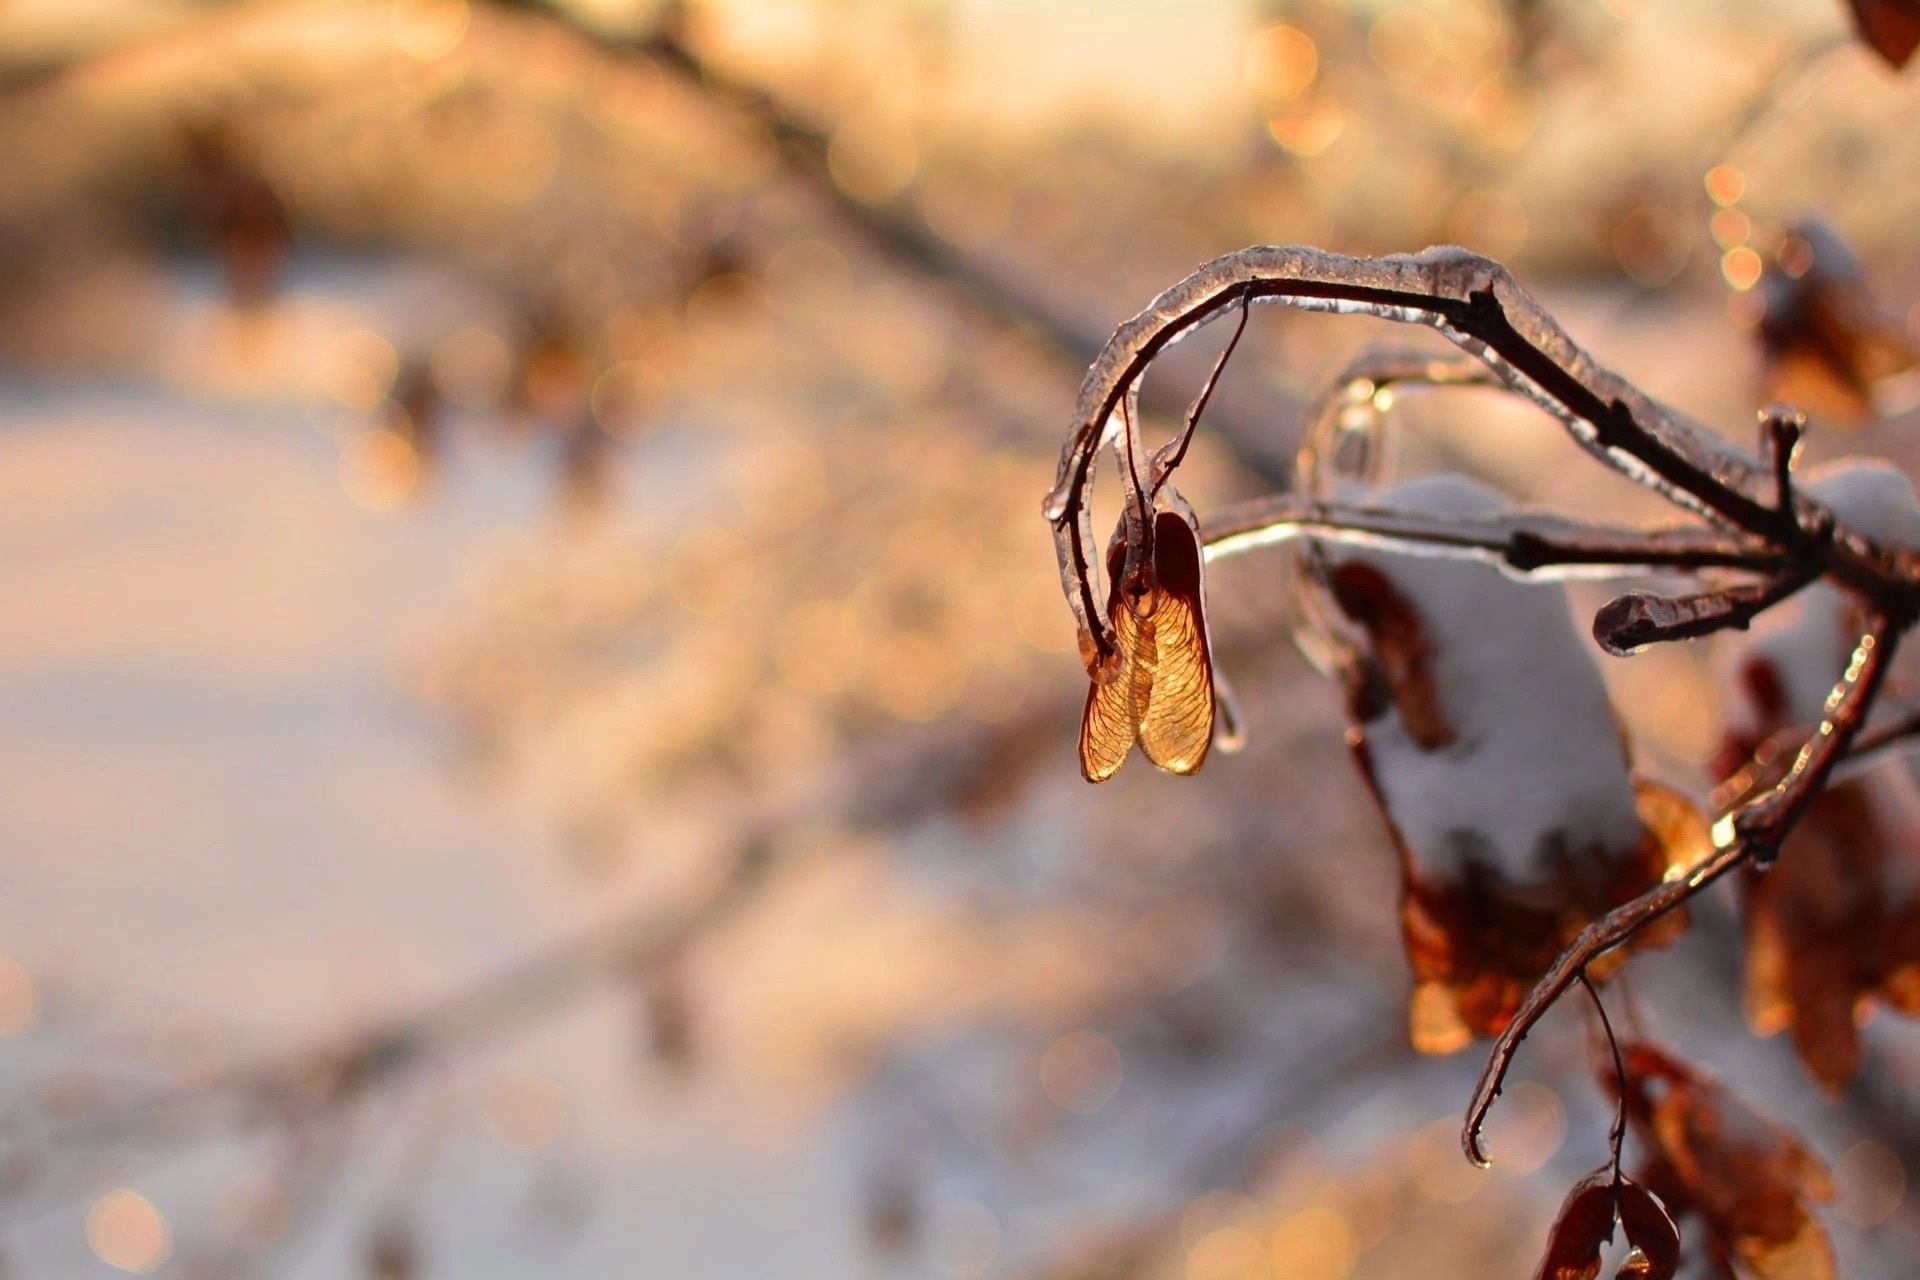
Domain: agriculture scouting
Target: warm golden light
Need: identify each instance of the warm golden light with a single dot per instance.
(1725, 184)
(1315, 1243)
(427, 29)
(916, 675)
(1489, 220)
(1310, 132)
(125, 1231)
(527, 584)
(821, 649)
(1731, 228)
(1405, 41)
(1741, 267)
(357, 368)
(379, 469)
(1281, 63)
(1230, 1252)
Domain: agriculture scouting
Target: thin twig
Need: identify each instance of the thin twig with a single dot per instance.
(1168, 459)
(1540, 547)
(1631, 622)
(1617, 1136)
(1604, 934)
(1781, 429)
(1753, 831)
(1764, 822)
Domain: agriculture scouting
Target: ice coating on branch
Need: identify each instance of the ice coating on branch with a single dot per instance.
(1786, 667)
(1535, 759)
(1834, 926)
(1472, 301)
(1483, 727)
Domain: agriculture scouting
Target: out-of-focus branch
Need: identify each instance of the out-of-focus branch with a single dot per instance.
(290, 1091)
(915, 777)
(895, 229)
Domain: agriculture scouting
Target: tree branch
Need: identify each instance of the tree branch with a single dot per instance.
(894, 229)
(1476, 305)
(1753, 831)
(1529, 545)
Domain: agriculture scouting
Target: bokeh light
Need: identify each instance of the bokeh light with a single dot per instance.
(126, 1232)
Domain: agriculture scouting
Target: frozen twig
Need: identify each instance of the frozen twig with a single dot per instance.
(1633, 621)
(1476, 304)
(1753, 831)
(1530, 545)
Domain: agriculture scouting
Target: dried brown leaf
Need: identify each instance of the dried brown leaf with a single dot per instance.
(1751, 1183)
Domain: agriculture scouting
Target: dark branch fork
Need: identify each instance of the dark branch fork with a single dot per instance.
(1758, 523)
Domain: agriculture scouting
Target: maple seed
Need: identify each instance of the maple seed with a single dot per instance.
(1586, 1223)
(1158, 690)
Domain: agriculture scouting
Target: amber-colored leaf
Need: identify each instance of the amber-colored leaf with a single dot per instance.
(1891, 27)
(1675, 822)
(1836, 923)
(1159, 691)
(1652, 1233)
(1750, 1182)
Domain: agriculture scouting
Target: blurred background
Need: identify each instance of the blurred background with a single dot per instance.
(536, 715)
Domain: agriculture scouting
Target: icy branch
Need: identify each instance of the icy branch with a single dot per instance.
(1475, 304)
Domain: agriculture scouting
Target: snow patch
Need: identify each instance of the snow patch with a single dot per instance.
(1538, 762)
(1874, 499)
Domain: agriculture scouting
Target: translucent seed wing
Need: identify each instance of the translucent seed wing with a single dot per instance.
(1108, 726)
(1176, 727)
(1111, 721)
